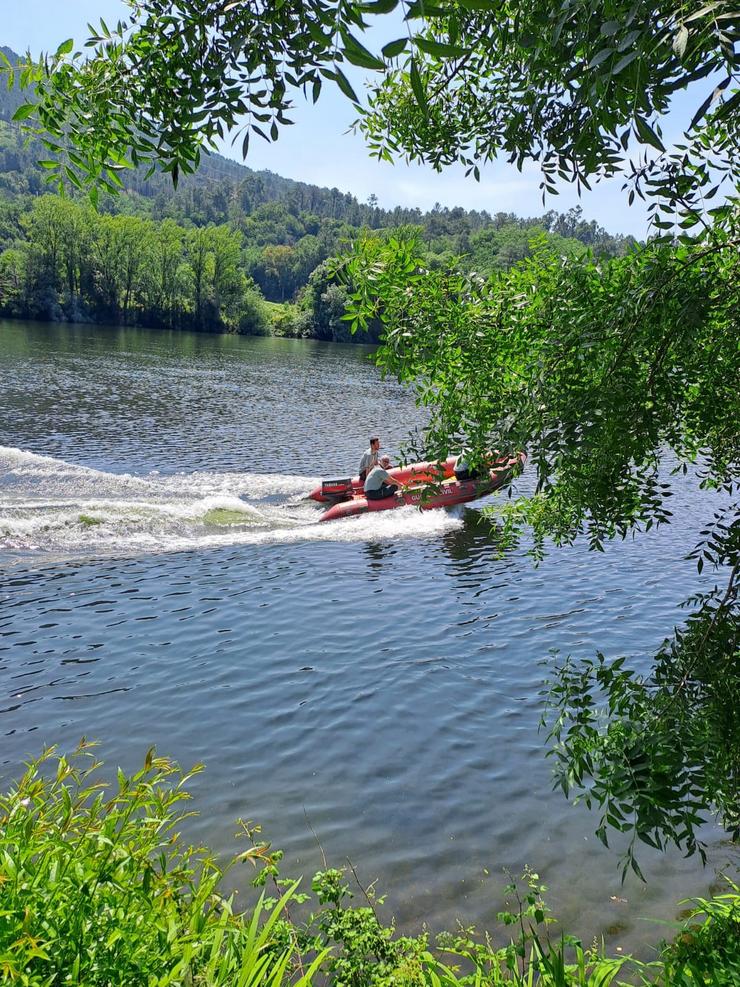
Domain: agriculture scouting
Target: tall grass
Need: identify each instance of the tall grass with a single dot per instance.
(98, 887)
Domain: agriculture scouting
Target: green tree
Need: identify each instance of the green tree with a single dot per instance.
(228, 277)
(45, 229)
(133, 234)
(275, 271)
(199, 260)
(12, 280)
(106, 251)
(598, 369)
(120, 250)
(163, 289)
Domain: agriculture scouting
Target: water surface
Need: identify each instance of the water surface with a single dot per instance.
(165, 582)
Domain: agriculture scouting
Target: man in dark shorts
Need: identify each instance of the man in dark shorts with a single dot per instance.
(379, 483)
(463, 471)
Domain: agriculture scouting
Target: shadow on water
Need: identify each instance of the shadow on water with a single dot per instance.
(380, 556)
(477, 538)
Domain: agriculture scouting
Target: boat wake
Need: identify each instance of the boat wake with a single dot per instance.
(48, 505)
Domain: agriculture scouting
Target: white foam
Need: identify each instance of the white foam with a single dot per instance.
(49, 505)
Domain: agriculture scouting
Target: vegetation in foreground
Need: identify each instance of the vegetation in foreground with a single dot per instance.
(98, 887)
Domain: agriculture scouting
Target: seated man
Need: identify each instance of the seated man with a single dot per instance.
(379, 483)
(463, 471)
(369, 458)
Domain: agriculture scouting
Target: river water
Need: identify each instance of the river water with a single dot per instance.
(375, 681)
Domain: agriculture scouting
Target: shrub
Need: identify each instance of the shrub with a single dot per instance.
(254, 314)
(98, 888)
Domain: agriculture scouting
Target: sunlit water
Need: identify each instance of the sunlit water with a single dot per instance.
(377, 680)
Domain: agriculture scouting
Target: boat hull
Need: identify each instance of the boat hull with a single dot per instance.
(414, 473)
(449, 493)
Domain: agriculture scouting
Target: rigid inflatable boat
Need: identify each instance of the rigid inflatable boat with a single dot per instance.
(446, 493)
(416, 473)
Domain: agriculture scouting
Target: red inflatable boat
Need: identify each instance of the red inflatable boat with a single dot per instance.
(412, 475)
(449, 492)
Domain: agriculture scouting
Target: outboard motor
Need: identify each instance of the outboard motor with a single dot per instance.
(336, 490)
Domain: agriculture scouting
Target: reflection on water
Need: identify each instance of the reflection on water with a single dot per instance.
(379, 676)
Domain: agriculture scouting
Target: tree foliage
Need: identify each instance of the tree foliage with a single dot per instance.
(75, 264)
(604, 372)
(568, 84)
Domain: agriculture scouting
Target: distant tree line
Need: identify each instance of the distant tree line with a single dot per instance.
(213, 253)
(75, 264)
(61, 260)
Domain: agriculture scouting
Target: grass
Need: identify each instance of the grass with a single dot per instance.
(98, 887)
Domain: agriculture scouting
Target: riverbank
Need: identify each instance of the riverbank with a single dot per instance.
(283, 320)
(69, 263)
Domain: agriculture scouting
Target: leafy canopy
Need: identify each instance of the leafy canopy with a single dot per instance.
(568, 85)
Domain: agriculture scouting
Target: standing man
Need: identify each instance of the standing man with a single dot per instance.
(369, 458)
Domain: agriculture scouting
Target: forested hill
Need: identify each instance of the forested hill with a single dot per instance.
(224, 190)
(283, 232)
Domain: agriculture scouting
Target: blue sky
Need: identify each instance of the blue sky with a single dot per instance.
(319, 150)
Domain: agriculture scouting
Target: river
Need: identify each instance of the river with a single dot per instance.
(375, 680)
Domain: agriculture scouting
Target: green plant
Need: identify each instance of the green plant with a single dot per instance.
(706, 951)
(97, 887)
(365, 951)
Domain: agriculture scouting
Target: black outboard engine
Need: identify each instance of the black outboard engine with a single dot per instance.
(337, 490)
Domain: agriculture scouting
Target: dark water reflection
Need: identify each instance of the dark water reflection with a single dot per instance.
(381, 680)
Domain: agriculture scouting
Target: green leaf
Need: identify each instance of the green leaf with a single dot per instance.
(65, 47)
(625, 61)
(24, 111)
(73, 177)
(344, 84)
(635, 867)
(379, 6)
(418, 87)
(424, 10)
(438, 49)
(358, 55)
(600, 56)
(708, 102)
(647, 134)
(394, 48)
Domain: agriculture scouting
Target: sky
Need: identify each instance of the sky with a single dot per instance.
(319, 149)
